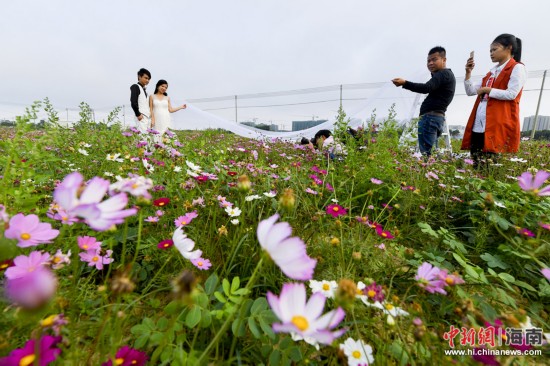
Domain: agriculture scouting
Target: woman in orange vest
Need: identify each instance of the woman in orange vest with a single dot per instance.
(493, 126)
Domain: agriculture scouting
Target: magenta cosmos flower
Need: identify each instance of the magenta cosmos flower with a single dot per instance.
(546, 273)
(29, 231)
(532, 184)
(428, 278)
(289, 253)
(127, 356)
(47, 353)
(303, 319)
(32, 290)
(336, 210)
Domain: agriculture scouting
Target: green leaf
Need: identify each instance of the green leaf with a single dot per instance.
(238, 327)
(162, 324)
(225, 285)
(141, 341)
(525, 285)
(254, 328)
(235, 284)
(427, 229)
(211, 284)
(494, 261)
(275, 358)
(507, 277)
(206, 319)
(193, 317)
(258, 305)
(220, 297)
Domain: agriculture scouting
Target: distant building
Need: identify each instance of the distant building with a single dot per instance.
(302, 125)
(261, 126)
(542, 124)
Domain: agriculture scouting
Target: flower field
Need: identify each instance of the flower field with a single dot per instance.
(214, 249)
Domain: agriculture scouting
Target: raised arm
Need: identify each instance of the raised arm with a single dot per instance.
(172, 110)
(469, 86)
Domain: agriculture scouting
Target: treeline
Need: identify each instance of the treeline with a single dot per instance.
(539, 135)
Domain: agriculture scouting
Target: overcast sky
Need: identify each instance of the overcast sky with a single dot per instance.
(73, 51)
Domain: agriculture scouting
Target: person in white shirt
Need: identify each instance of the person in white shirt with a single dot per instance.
(493, 126)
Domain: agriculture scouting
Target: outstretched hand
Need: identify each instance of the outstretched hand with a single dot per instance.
(184, 106)
(398, 82)
(470, 65)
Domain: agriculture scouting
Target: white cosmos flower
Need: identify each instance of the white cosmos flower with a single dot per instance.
(235, 221)
(177, 169)
(390, 309)
(192, 173)
(192, 166)
(358, 352)
(252, 198)
(108, 174)
(270, 194)
(327, 288)
(83, 152)
(499, 204)
(233, 211)
(185, 245)
(518, 160)
(114, 157)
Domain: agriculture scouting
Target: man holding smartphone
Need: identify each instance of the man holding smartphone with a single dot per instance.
(441, 90)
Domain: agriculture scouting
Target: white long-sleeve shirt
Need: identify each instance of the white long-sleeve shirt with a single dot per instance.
(516, 83)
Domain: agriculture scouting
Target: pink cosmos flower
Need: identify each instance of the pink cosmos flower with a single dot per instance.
(59, 260)
(33, 289)
(546, 273)
(374, 292)
(135, 185)
(29, 231)
(98, 215)
(185, 245)
(532, 184)
(185, 219)
(450, 279)
(311, 191)
(544, 226)
(289, 253)
(201, 263)
(4, 217)
(152, 219)
(94, 258)
(23, 265)
(88, 243)
(336, 210)
(47, 353)
(376, 181)
(303, 319)
(428, 279)
(127, 356)
(383, 233)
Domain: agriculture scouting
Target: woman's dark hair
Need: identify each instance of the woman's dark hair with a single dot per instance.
(159, 83)
(325, 133)
(506, 40)
(304, 141)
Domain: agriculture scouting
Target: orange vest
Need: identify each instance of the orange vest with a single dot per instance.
(502, 133)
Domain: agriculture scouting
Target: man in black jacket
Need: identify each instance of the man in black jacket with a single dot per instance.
(440, 89)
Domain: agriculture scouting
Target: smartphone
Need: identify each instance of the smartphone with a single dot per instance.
(472, 55)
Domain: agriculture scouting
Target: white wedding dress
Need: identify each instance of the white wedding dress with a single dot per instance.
(162, 116)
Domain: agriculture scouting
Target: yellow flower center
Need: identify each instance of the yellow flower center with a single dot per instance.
(4, 266)
(199, 264)
(27, 360)
(166, 245)
(95, 259)
(184, 222)
(326, 287)
(161, 204)
(30, 269)
(300, 322)
(384, 235)
(56, 259)
(135, 185)
(119, 361)
(356, 354)
(64, 218)
(85, 246)
(449, 280)
(25, 236)
(335, 208)
(371, 293)
(389, 306)
(48, 321)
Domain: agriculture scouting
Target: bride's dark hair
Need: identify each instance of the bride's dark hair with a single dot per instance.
(159, 83)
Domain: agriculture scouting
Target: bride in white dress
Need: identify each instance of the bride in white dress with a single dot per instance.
(161, 108)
